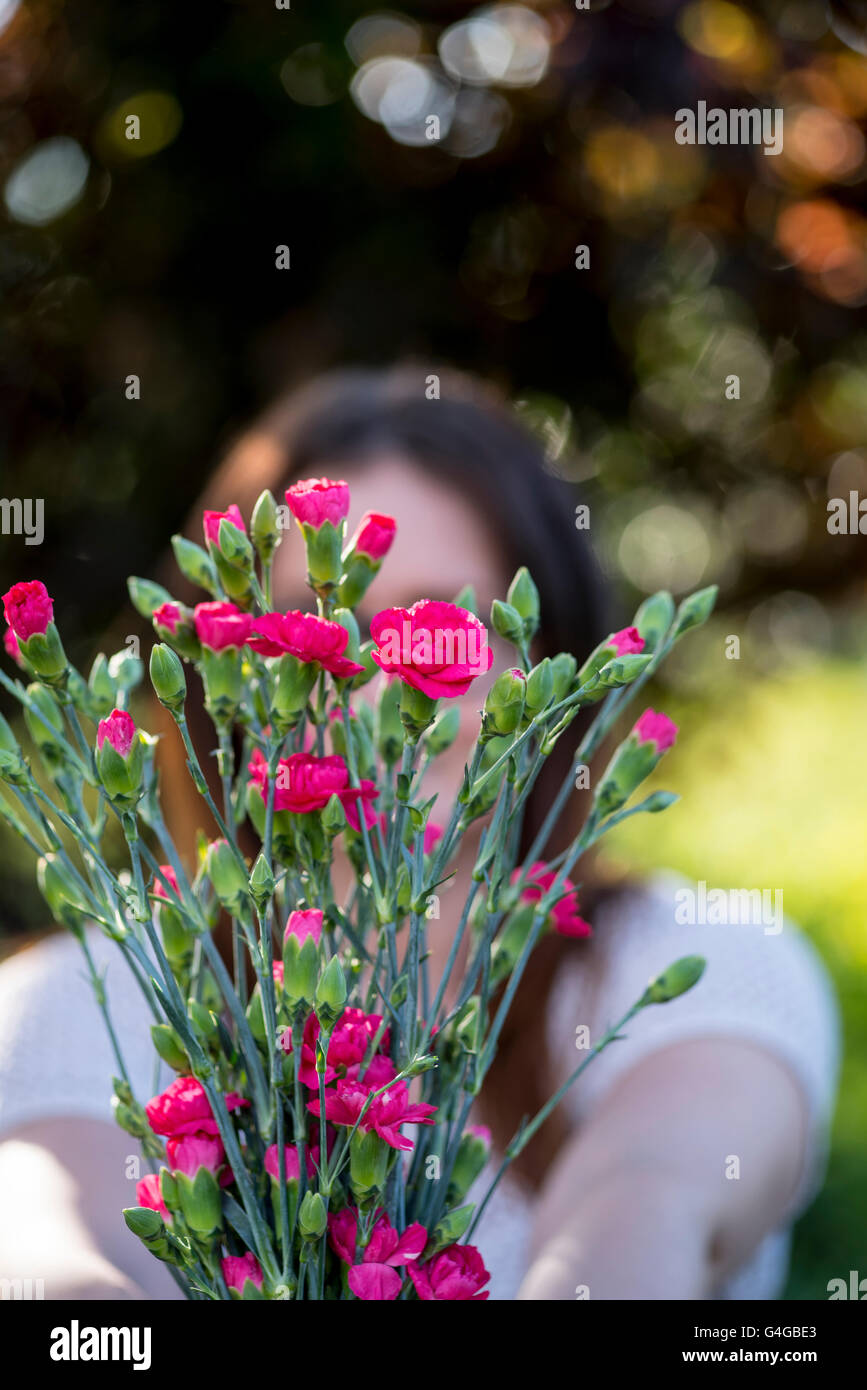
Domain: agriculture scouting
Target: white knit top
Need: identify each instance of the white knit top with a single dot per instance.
(55, 1058)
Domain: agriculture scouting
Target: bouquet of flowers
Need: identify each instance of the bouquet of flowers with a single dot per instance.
(316, 1142)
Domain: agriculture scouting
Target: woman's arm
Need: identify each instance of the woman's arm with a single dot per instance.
(639, 1204)
(63, 1185)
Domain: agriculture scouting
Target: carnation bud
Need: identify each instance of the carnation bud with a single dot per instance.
(170, 1048)
(234, 546)
(120, 759)
(348, 622)
(61, 892)
(449, 1229)
(300, 969)
(654, 618)
(504, 704)
(102, 688)
(262, 883)
(221, 675)
(144, 1222)
(228, 876)
(564, 669)
(333, 816)
(330, 997)
(264, 530)
(540, 688)
(365, 659)
(45, 724)
(125, 669)
(695, 610)
(195, 563)
(507, 622)
(443, 731)
(633, 761)
(312, 1216)
(368, 1165)
(167, 677)
(524, 598)
(295, 681)
(676, 980)
(146, 596)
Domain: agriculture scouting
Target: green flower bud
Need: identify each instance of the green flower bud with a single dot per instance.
(331, 992)
(146, 596)
(333, 816)
(507, 622)
(540, 688)
(504, 704)
(346, 619)
(221, 674)
(167, 677)
(524, 598)
(676, 980)
(312, 1216)
(564, 669)
(204, 1022)
(365, 657)
(264, 530)
(449, 1229)
(443, 731)
(234, 546)
(228, 876)
(653, 619)
(143, 1222)
(195, 564)
(295, 681)
(102, 688)
(125, 669)
(170, 1048)
(61, 892)
(358, 574)
(695, 610)
(368, 1165)
(262, 882)
(120, 759)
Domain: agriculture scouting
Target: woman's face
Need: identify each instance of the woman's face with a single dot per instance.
(442, 544)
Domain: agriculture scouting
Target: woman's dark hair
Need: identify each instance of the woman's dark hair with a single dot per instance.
(468, 434)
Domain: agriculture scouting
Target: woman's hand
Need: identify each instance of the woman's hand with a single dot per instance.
(643, 1203)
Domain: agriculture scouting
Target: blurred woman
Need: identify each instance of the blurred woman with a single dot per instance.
(678, 1162)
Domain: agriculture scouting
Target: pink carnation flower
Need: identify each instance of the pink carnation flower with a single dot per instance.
(457, 1273)
(237, 1269)
(168, 616)
(386, 1114)
(183, 1108)
(375, 1278)
(211, 523)
(292, 1162)
(221, 625)
(304, 922)
(374, 535)
(564, 914)
(194, 1151)
(305, 783)
(656, 728)
(119, 729)
(168, 872)
(28, 608)
(627, 641)
(317, 500)
(148, 1193)
(435, 647)
(307, 637)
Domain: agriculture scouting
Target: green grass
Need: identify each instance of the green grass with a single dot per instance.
(773, 779)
